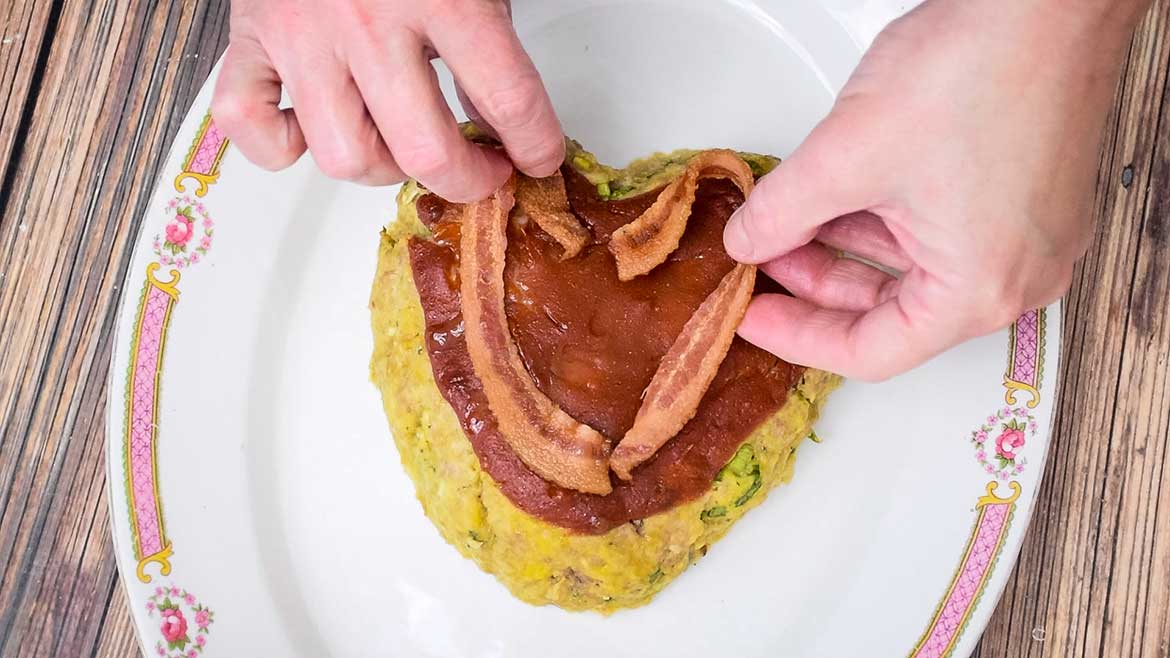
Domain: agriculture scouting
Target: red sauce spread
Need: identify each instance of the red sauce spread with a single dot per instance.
(592, 345)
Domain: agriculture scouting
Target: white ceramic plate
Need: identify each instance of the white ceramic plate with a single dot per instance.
(258, 498)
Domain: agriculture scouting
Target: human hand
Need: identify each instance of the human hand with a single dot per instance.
(366, 100)
(961, 153)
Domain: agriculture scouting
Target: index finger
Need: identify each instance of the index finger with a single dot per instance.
(490, 65)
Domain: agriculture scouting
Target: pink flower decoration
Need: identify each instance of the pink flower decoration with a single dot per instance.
(161, 651)
(150, 605)
(158, 591)
(205, 243)
(1008, 442)
(980, 455)
(179, 231)
(174, 625)
(989, 468)
(192, 654)
(200, 640)
(202, 618)
(194, 258)
(189, 600)
(166, 260)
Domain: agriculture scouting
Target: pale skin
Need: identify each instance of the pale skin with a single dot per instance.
(961, 155)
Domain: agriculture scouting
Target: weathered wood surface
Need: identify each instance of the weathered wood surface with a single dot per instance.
(93, 93)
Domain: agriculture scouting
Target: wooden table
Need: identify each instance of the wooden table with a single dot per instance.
(93, 94)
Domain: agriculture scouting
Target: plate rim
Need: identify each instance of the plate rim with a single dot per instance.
(204, 172)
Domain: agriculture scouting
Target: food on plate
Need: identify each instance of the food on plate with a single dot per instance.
(559, 367)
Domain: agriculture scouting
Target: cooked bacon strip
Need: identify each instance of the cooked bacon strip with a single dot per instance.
(546, 201)
(686, 371)
(553, 444)
(646, 242)
(724, 163)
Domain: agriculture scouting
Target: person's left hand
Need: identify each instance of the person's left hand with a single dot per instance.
(366, 101)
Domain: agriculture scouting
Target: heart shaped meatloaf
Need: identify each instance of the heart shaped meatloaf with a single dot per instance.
(560, 372)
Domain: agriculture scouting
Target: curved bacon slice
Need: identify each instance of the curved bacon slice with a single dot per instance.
(646, 242)
(546, 201)
(553, 444)
(686, 370)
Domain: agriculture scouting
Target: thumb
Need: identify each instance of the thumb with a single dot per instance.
(822, 180)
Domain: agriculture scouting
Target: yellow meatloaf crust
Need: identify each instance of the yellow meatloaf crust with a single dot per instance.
(539, 562)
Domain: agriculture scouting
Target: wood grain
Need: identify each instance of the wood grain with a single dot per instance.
(93, 94)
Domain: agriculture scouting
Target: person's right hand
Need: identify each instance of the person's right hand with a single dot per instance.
(962, 153)
(366, 101)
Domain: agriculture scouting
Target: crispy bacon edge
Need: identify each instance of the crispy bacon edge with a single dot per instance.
(546, 201)
(646, 242)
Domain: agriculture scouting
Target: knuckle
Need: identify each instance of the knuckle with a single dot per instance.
(464, 10)
(1004, 310)
(342, 163)
(1059, 285)
(231, 112)
(1000, 295)
(422, 159)
(991, 310)
(291, 18)
(515, 105)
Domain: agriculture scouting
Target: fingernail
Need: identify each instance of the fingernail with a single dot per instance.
(736, 240)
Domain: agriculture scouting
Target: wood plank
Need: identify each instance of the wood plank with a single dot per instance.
(117, 639)
(25, 29)
(80, 189)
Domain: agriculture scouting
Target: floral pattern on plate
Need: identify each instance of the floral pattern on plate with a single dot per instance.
(184, 622)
